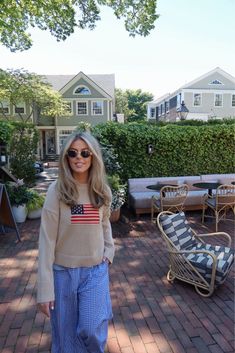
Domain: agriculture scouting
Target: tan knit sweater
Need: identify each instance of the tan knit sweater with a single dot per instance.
(78, 236)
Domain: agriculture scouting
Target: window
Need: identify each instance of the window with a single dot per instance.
(178, 100)
(70, 106)
(215, 82)
(97, 108)
(233, 100)
(4, 108)
(197, 99)
(63, 134)
(82, 90)
(81, 108)
(152, 112)
(19, 108)
(167, 106)
(218, 100)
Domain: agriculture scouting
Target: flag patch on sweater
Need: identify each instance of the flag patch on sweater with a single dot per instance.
(85, 214)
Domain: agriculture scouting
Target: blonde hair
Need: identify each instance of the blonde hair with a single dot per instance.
(67, 186)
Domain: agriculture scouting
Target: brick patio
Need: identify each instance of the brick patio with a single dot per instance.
(150, 314)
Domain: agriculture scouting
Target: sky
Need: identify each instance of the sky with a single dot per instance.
(191, 38)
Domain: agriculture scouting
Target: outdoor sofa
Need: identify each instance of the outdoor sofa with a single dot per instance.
(139, 196)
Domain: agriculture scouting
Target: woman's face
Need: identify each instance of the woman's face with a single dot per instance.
(80, 158)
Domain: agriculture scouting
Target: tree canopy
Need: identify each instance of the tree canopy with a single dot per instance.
(61, 17)
(132, 103)
(21, 86)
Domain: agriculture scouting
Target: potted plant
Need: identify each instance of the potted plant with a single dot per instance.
(19, 195)
(35, 204)
(118, 196)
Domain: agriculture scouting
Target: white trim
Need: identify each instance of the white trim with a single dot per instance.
(21, 106)
(68, 100)
(218, 106)
(82, 94)
(7, 105)
(80, 76)
(219, 91)
(81, 101)
(102, 107)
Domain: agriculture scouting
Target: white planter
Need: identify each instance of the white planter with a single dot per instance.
(34, 214)
(20, 213)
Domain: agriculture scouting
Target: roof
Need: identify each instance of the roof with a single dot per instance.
(105, 81)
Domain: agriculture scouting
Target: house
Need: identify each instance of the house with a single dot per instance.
(90, 98)
(212, 95)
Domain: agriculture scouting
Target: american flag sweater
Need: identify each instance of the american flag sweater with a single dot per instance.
(78, 236)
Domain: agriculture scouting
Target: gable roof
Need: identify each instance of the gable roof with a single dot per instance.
(104, 83)
(216, 70)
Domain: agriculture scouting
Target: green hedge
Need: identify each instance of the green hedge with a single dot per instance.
(178, 150)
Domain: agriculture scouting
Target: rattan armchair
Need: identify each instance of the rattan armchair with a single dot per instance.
(191, 259)
(171, 198)
(220, 203)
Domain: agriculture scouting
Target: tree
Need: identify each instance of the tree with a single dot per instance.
(17, 86)
(61, 17)
(132, 103)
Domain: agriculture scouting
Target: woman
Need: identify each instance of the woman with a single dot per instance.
(75, 248)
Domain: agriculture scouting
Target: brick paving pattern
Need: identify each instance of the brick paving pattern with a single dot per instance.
(150, 314)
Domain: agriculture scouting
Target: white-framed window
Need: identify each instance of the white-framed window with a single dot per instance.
(178, 100)
(4, 108)
(216, 82)
(197, 99)
(97, 108)
(82, 90)
(70, 106)
(152, 112)
(82, 108)
(218, 100)
(19, 108)
(167, 106)
(233, 100)
(63, 134)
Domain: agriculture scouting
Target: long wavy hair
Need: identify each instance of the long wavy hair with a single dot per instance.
(68, 188)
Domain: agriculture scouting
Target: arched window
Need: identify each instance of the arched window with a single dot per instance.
(82, 90)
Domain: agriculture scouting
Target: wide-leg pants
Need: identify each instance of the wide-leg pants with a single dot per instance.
(82, 309)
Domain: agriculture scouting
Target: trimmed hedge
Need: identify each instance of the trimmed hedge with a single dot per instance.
(178, 150)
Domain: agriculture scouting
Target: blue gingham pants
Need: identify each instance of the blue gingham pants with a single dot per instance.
(79, 320)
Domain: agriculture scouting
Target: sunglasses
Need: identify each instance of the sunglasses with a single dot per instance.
(75, 153)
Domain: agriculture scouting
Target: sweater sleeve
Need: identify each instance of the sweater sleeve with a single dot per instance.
(109, 247)
(47, 241)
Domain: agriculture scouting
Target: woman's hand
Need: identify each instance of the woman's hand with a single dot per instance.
(45, 307)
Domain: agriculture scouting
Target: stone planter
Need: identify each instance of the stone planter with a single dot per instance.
(34, 214)
(115, 215)
(20, 213)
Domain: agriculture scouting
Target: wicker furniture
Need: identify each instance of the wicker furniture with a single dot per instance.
(171, 198)
(191, 259)
(220, 203)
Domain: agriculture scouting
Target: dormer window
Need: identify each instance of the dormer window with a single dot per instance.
(82, 90)
(215, 82)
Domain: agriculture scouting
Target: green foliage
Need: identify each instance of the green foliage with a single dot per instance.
(118, 191)
(35, 201)
(18, 193)
(178, 150)
(83, 126)
(61, 17)
(5, 131)
(23, 147)
(17, 86)
(133, 104)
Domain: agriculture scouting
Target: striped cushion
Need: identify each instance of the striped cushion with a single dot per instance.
(177, 229)
(203, 262)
